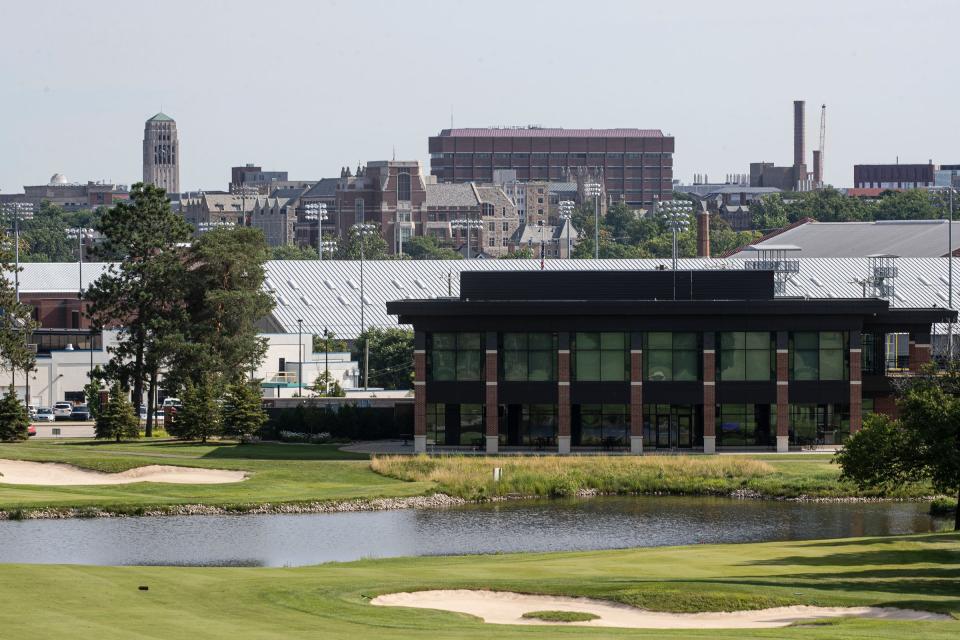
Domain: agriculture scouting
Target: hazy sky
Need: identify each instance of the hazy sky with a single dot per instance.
(309, 86)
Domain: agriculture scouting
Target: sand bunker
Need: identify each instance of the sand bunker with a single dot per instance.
(500, 607)
(53, 473)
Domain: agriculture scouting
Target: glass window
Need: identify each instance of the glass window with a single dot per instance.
(529, 357)
(745, 355)
(436, 423)
(672, 356)
(601, 356)
(604, 425)
(471, 424)
(455, 356)
(403, 186)
(818, 355)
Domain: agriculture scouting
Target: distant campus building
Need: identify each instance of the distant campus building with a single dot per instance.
(161, 153)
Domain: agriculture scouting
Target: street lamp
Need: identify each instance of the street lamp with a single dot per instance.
(17, 210)
(317, 212)
(362, 230)
(467, 223)
(592, 190)
(81, 234)
(566, 214)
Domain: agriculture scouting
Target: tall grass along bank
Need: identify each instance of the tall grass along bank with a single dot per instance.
(472, 477)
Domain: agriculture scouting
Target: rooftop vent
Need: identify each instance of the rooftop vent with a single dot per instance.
(420, 283)
(282, 300)
(923, 281)
(816, 282)
(397, 283)
(293, 284)
(343, 301)
(307, 301)
(366, 300)
(352, 283)
(329, 284)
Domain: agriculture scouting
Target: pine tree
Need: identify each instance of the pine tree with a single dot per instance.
(14, 420)
(117, 419)
(243, 413)
(199, 418)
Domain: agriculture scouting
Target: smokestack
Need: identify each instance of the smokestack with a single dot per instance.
(817, 168)
(703, 233)
(799, 134)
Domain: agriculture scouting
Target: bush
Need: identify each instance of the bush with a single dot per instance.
(346, 422)
(561, 616)
(311, 438)
(943, 507)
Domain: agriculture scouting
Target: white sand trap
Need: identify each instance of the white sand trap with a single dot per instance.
(501, 607)
(54, 473)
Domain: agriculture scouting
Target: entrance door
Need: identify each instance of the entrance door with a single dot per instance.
(662, 427)
(684, 431)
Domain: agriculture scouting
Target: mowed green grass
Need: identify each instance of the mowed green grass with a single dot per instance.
(332, 601)
(278, 474)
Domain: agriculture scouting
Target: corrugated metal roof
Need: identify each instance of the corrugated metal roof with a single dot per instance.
(905, 238)
(327, 293)
(542, 132)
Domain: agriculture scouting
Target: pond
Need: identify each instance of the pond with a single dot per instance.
(554, 525)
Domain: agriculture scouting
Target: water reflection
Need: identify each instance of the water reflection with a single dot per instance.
(600, 523)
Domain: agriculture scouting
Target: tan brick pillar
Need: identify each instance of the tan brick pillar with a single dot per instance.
(709, 394)
(856, 386)
(419, 393)
(783, 392)
(563, 394)
(636, 393)
(491, 404)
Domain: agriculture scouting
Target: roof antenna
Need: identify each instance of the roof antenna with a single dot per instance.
(451, 116)
(394, 153)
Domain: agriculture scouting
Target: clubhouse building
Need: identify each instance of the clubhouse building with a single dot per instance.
(660, 360)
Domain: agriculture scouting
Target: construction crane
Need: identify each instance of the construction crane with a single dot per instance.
(823, 139)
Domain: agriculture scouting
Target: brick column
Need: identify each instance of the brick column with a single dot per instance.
(492, 407)
(783, 392)
(856, 387)
(709, 393)
(920, 352)
(563, 394)
(419, 393)
(636, 393)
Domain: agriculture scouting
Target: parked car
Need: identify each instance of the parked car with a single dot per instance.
(45, 414)
(157, 414)
(62, 410)
(80, 412)
(31, 431)
(32, 410)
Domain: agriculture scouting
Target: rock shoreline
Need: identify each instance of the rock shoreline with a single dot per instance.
(435, 501)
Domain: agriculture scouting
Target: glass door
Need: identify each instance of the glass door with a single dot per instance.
(684, 436)
(663, 430)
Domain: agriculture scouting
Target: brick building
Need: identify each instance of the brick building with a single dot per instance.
(636, 165)
(894, 176)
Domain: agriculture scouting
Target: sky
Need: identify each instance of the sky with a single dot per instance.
(309, 86)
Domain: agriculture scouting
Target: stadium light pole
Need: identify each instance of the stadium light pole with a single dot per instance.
(317, 211)
(81, 234)
(16, 210)
(566, 214)
(362, 230)
(466, 223)
(592, 189)
(299, 357)
(676, 215)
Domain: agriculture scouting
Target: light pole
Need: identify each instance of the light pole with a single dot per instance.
(326, 361)
(243, 191)
(362, 230)
(81, 234)
(317, 211)
(299, 357)
(950, 193)
(204, 227)
(467, 223)
(676, 215)
(16, 210)
(566, 214)
(592, 190)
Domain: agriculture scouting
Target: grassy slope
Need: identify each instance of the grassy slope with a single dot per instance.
(330, 601)
(770, 475)
(279, 473)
